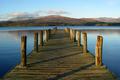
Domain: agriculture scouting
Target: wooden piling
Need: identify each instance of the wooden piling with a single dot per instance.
(98, 51)
(78, 38)
(67, 30)
(84, 42)
(49, 33)
(74, 33)
(41, 38)
(46, 35)
(54, 30)
(23, 51)
(71, 34)
(36, 42)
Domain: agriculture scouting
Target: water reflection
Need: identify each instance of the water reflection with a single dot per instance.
(10, 49)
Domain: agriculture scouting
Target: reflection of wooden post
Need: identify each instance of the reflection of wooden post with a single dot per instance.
(23, 51)
(46, 36)
(84, 42)
(98, 51)
(41, 38)
(79, 38)
(36, 42)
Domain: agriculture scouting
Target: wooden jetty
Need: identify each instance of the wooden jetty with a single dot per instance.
(60, 57)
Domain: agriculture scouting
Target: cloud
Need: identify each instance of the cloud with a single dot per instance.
(51, 12)
(56, 12)
(21, 14)
(17, 15)
(26, 15)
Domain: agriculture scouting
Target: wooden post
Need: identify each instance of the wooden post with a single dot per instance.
(49, 32)
(41, 38)
(98, 51)
(79, 38)
(74, 33)
(66, 30)
(36, 42)
(71, 34)
(54, 30)
(84, 42)
(46, 36)
(23, 51)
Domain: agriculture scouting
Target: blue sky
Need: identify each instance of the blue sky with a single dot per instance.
(71, 8)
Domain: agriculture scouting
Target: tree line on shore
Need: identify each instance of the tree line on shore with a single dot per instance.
(10, 23)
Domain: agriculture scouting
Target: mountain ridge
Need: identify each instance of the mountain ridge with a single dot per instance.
(101, 19)
(52, 20)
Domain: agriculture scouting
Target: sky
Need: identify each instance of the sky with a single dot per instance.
(70, 8)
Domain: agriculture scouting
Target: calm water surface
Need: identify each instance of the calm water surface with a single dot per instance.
(10, 45)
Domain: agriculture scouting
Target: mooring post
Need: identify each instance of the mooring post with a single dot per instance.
(41, 38)
(70, 34)
(36, 42)
(74, 33)
(79, 38)
(55, 30)
(23, 51)
(98, 51)
(49, 32)
(46, 36)
(66, 30)
(84, 42)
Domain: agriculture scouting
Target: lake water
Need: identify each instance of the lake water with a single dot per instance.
(10, 45)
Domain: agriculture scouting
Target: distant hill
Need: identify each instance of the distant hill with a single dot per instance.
(105, 19)
(55, 20)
